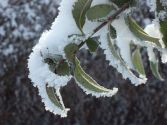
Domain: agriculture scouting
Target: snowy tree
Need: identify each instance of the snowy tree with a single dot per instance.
(90, 24)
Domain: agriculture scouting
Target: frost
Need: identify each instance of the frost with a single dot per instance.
(153, 30)
(120, 26)
(96, 94)
(124, 38)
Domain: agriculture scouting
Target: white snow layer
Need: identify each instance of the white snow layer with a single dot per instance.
(153, 30)
(124, 37)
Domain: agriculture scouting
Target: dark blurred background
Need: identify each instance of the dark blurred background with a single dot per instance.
(21, 23)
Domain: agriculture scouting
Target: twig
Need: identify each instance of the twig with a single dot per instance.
(111, 18)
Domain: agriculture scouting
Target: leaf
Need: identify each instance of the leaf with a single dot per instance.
(53, 97)
(154, 64)
(79, 12)
(139, 32)
(63, 69)
(163, 29)
(120, 64)
(92, 44)
(52, 60)
(113, 32)
(163, 22)
(88, 83)
(70, 51)
(154, 69)
(99, 11)
(137, 61)
(112, 48)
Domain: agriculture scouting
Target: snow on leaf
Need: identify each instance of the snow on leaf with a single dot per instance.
(79, 11)
(92, 44)
(154, 64)
(116, 60)
(137, 61)
(139, 32)
(88, 84)
(53, 97)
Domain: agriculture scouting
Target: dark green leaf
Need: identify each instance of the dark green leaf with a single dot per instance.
(155, 71)
(70, 51)
(92, 44)
(139, 32)
(163, 29)
(79, 12)
(53, 97)
(63, 69)
(137, 61)
(86, 81)
(163, 23)
(113, 32)
(99, 11)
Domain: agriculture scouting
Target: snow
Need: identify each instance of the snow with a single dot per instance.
(96, 94)
(153, 30)
(124, 69)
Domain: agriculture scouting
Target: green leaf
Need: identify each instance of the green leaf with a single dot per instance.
(70, 51)
(137, 61)
(163, 29)
(112, 47)
(53, 61)
(155, 71)
(139, 32)
(118, 57)
(63, 69)
(99, 11)
(92, 44)
(86, 81)
(113, 32)
(79, 12)
(53, 97)
(163, 23)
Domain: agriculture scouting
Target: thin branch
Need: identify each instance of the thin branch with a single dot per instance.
(110, 19)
